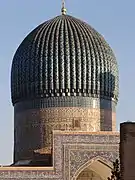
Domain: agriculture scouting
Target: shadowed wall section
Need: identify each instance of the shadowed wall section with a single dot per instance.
(127, 150)
(108, 83)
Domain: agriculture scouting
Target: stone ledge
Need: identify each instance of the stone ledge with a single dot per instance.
(86, 132)
(26, 168)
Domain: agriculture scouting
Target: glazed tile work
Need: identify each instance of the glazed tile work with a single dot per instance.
(39, 124)
(64, 76)
(64, 89)
(64, 56)
(89, 102)
(71, 151)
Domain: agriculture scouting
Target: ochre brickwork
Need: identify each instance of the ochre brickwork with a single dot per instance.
(127, 150)
(88, 174)
(38, 124)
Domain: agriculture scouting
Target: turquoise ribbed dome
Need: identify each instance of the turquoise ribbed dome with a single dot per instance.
(64, 57)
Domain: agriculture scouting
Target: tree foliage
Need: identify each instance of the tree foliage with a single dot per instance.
(115, 171)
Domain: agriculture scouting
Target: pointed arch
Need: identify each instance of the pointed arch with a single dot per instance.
(98, 165)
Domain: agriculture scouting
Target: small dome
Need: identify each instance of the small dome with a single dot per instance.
(64, 57)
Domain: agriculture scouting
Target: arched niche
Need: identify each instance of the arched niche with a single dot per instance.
(89, 174)
(95, 169)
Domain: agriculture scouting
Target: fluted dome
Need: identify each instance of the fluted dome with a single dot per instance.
(64, 57)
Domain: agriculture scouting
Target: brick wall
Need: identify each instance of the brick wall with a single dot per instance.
(127, 150)
(33, 127)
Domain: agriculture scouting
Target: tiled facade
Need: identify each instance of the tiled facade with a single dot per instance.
(39, 122)
(64, 56)
(64, 89)
(71, 152)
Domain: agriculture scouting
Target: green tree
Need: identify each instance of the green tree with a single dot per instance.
(115, 171)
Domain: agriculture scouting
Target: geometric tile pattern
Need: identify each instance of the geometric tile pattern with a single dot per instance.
(64, 56)
(71, 151)
(89, 102)
(38, 124)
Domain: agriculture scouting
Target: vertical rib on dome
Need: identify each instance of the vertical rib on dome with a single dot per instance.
(64, 57)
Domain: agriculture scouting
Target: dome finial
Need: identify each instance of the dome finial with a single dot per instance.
(63, 9)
